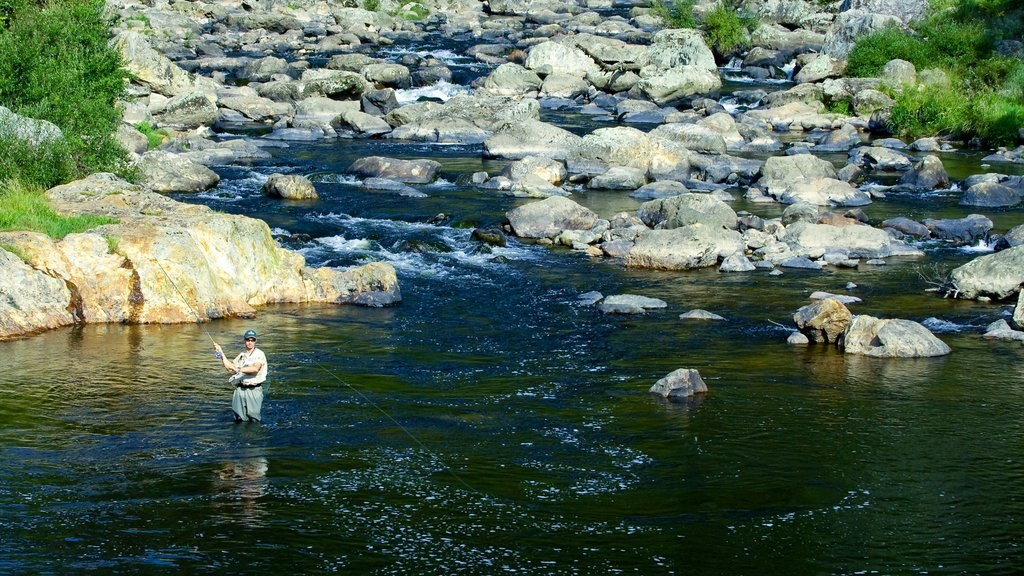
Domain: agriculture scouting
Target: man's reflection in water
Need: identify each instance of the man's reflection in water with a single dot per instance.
(244, 481)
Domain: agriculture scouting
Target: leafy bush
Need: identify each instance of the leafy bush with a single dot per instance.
(56, 65)
(725, 30)
(371, 5)
(678, 14)
(24, 207)
(45, 163)
(932, 110)
(872, 52)
(996, 119)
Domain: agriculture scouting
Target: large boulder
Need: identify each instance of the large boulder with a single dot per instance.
(29, 130)
(517, 140)
(966, 230)
(880, 338)
(155, 70)
(167, 172)
(30, 300)
(511, 79)
(824, 320)
(813, 240)
(549, 217)
(560, 58)
(408, 171)
(626, 146)
(927, 174)
(676, 85)
(686, 209)
(906, 10)
(162, 262)
(187, 111)
(679, 47)
(991, 195)
(998, 275)
(823, 192)
(683, 248)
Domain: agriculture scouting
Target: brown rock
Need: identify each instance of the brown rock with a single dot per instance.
(823, 321)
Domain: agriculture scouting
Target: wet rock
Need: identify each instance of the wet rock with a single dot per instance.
(618, 178)
(548, 218)
(408, 171)
(797, 339)
(998, 275)
(823, 321)
(872, 336)
(360, 123)
(966, 230)
(187, 111)
(511, 79)
(736, 263)
(842, 298)
(699, 314)
(928, 174)
(824, 192)
(880, 158)
(1001, 330)
(376, 184)
(550, 57)
(629, 304)
(660, 189)
(991, 194)
(681, 383)
(290, 187)
(1018, 311)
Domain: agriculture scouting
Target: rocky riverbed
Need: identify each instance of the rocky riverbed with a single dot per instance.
(304, 71)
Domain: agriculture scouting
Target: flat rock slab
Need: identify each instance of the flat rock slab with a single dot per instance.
(630, 304)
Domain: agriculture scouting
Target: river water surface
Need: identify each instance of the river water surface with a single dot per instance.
(492, 423)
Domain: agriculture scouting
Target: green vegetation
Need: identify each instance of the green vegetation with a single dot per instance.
(725, 26)
(56, 65)
(371, 5)
(155, 136)
(26, 208)
(677, 14)
(414, 12)
(725, 30)
(985, 97)
(14, 250)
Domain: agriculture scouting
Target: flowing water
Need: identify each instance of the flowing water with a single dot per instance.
(492, 423)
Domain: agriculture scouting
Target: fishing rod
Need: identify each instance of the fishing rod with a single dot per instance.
(199, 320)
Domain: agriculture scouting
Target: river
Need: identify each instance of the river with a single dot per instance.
(492, 423)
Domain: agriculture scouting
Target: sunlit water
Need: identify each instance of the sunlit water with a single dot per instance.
(493, 424)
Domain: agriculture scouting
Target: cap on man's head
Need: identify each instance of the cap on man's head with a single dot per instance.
(249, 334)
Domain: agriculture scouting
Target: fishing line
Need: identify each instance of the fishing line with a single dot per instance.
(185, 300)
(399, 424)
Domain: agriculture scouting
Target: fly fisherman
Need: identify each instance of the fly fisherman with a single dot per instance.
(248, 373)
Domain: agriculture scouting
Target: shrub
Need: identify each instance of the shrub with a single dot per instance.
(155, 136)
(929, 111)
(46, 163)
(871, 53)
(56, 65)
(24, 207)
(997, 120)
(725, 30)
(371, 5)
(678, 14)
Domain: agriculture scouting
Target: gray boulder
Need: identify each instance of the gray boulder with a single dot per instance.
(1018, 311)
(187, 111)
(998, 275)
(682, 383)
(360, 123)
(824, 192)
(550, 57)
(409, 171)
(549, 217)
(872, 336)
(737, 262)
(676, 47)
(29, 130)
(906, 10)
(907, 226)
(531, 138)
(698, 314)
(684, 248)
(511, 79)
(618, 178)
(820, 67)
(851, 25)
(659, 189)
(928, 174)
(670, 87)
(858, 241)
(991, 195)
(167, 172)
(966, 230)
(289, 187)
(687, 209)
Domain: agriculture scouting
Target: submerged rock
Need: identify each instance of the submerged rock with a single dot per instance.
(629, 304)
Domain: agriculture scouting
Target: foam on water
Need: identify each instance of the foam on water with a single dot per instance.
(443, 91)
(944, 326)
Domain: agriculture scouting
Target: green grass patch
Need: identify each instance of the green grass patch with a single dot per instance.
(16, 251)
(371, 5)
(25, 207)
(154, 136)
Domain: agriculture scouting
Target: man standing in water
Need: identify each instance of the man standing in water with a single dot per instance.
(249, 372)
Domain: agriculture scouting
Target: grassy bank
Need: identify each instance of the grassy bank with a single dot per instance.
(56, 65)
(983, 99)
(24, 207)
